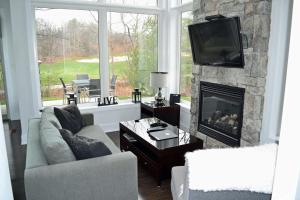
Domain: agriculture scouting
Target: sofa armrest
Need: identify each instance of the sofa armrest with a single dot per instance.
(88, 119)
(110, 177)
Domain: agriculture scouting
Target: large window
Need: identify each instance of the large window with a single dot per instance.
(186, 61)
(67, 42)
(132, 52)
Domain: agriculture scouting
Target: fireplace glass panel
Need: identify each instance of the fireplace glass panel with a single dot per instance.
(221, 113)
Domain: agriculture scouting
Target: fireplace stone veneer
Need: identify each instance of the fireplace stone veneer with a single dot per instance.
(221, 112)
(255, 16)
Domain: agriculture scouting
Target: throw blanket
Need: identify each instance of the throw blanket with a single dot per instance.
(246, 169)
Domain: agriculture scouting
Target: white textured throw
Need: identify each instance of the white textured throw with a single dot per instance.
(246, 169)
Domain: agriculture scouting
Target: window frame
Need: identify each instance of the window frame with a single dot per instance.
(158, 45)
(175, 49)
(103, 9)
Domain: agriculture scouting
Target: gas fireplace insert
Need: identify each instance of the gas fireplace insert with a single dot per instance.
(221, 112)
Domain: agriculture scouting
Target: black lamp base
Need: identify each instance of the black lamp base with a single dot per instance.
(159, 99)
(159, 102)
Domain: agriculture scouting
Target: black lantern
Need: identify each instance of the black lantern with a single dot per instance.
(136, 96)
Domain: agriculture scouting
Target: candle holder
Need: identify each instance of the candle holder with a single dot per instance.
(136, 96)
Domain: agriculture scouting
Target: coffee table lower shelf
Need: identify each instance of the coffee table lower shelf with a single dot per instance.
(158, 162)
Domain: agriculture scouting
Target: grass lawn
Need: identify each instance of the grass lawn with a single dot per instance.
(50, 73)
(51, 98)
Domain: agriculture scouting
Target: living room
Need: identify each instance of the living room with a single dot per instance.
(147, 94)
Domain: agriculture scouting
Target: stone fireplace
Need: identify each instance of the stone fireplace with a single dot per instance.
(255, 24)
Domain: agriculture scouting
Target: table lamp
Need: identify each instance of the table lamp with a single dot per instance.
(159, 80)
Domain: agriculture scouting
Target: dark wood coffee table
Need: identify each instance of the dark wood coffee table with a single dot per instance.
(158, 156)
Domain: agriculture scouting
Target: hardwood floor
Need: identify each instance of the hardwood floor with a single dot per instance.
(16, 154)
(148, 189)
(147, 185)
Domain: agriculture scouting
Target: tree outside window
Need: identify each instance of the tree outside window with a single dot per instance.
(132, 51)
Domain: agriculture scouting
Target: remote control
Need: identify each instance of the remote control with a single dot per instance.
(157, 124)
(153, 129)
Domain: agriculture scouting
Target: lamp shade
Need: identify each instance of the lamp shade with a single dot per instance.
(159, 79)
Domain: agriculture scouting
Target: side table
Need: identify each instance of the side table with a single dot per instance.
(167, 113)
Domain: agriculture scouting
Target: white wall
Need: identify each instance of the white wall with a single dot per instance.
(9, 67)
(5, 183)
(108, 117)
(286, 183)
(278, 54)
(27, 84)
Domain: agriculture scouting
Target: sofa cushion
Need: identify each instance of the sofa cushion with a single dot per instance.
(69, 118)
(48, 113)
(96, 132)
(83, 147)
(35, 156)
(56, 150)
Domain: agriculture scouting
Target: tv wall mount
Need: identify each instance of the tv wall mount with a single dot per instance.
(214, 17)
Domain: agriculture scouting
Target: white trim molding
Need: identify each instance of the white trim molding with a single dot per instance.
(96, 5)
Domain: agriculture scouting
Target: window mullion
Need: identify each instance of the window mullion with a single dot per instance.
(103, 47)
(36, 85)
(174, 50)
(161, 45)
(178, 50)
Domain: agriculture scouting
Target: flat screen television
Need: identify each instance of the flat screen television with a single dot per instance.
(217, 42)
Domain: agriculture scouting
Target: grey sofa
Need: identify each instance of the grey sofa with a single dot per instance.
(111, 177)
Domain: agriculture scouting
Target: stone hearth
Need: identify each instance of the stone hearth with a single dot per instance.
(255, 23)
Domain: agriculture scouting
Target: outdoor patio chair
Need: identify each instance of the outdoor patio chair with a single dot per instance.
(82, 77)
(113, 85)
(94, 89)
(68, 96)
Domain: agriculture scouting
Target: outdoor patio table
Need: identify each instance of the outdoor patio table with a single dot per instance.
(80, 83)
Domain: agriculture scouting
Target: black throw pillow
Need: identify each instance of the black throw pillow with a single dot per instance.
(69, 118)
(84, 148)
